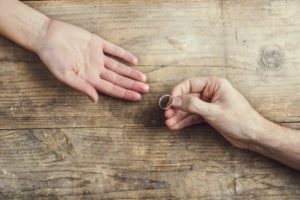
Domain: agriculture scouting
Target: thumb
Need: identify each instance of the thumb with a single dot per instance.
(82, 86)
(191, 104)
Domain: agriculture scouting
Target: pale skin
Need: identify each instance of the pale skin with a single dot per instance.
(217, 102)
(75, 56)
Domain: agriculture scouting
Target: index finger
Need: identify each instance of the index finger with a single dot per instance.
(117, 51)
(191, 85)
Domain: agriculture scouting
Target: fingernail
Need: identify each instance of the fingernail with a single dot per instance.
(95, 100)
(146, 88)
(177, 102)
(135, 61)
(144, 78)
(137, 97)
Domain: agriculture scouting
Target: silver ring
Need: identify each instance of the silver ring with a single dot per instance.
(165, 102)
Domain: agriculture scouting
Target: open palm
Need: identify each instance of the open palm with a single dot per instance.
(80, 59)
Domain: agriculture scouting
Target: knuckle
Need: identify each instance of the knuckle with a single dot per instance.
(114, 78)
(112, 63)
(191, 79)
(213, 78)
(224, 81)
(209, 79)
(184, 82)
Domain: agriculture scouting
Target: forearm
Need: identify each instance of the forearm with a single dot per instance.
(22, 24)
(279, 143)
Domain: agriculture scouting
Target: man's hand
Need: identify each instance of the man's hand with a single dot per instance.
(81, 60)
(216, 102)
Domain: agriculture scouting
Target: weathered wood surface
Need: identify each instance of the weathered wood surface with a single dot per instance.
(55, 143)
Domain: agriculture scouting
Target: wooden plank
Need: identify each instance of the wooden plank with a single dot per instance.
(31, 98)
(55, 143)
(135, 163)
(173, 41)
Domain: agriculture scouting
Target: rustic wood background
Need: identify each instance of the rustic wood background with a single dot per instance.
(55, 143)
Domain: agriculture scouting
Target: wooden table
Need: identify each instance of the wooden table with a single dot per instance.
(55, 143)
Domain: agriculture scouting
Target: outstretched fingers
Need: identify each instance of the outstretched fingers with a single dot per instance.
(114, 50)
(113, 90)
(124, 70)
(124, 82)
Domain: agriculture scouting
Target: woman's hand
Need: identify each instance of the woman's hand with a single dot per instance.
(216, 102)
(80, 59)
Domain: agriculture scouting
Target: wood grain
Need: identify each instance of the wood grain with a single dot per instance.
(135, 163)
(56, 144)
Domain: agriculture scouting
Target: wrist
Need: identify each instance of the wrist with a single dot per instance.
(261, 131)
(22, 24)
(254, 129)
(40, 34)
